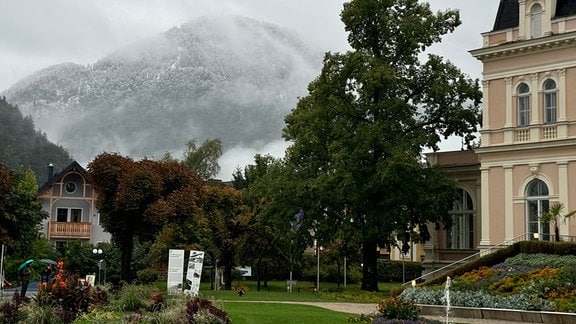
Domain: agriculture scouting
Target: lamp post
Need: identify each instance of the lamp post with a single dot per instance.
(317, 265)
(97, 253)
(318, 249)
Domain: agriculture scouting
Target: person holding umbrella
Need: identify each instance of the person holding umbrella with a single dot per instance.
(48, 273)
(25, 272)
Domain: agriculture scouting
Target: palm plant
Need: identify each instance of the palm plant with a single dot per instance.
(553, 216)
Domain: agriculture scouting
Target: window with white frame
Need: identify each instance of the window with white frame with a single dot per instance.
(537, 203)
(536, 20)
(461, 234)
(523, 105)
(69, 215)
(550, 101)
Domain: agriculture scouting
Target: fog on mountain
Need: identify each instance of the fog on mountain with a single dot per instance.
(231, 78)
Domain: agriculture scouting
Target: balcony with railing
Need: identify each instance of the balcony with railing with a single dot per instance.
(544, 132)
(69, 230)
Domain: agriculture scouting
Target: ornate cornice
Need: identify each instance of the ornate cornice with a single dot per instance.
(524, 47)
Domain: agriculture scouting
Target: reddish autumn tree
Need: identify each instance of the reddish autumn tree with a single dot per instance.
(175, 214)
(130, 196)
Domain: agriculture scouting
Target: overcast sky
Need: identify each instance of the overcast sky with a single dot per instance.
(35, 34)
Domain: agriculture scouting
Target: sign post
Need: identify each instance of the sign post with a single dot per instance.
(175, 271)
(192, 286)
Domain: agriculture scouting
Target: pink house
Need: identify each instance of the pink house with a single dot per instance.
(527, 157)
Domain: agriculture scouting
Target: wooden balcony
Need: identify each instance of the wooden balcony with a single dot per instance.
(69, 230)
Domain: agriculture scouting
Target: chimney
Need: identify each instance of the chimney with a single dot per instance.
(50, 172)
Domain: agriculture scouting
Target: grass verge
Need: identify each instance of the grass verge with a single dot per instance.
(263, 313)
(276, 291)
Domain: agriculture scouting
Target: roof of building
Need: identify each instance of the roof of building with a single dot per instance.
(453, 158)
(509, 12)
(565, 8)
(508, 15)
(73, 167)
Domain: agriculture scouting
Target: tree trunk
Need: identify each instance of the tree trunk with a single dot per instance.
(266, 275)
(258, 270)
(126, 248)
(370, 266)
(339, 279)
(557, 232)
(228, 275)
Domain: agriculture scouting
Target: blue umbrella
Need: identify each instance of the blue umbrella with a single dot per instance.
(48, 261)
(25, 263)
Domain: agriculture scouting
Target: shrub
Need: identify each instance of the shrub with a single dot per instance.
(398, 308)
(44, 314)
(147, 276)
(398, 271)
(156, 302)
(99, 297)
(11, 312)
(476, 298)
(131, 298)
(66, 293)
(203, 311)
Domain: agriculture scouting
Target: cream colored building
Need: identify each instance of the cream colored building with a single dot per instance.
(527, 157)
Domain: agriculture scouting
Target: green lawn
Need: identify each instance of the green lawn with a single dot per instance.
(262, 307)
(276, 291)
(263, 313)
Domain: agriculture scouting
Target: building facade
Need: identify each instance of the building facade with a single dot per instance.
(527, 156)
(69, 199)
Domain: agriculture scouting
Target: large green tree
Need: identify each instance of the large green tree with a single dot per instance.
(357, 137)
(268, 243)
(225, 222)
(21, 214)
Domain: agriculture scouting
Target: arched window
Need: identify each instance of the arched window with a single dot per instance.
(523, 105)
(550, 101)
(461, 234)
(536, 20)
(537, 203)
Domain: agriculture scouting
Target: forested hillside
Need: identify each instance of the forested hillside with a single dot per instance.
(22, 145)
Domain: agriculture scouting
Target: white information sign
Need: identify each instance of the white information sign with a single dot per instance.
(192, 285)
(175, 271)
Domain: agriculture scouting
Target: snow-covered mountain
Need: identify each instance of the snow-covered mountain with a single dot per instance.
(230, 77)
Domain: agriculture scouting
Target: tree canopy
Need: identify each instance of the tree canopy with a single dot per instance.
(203, 159)
(358, 136)
(136, 199)
(21, 214)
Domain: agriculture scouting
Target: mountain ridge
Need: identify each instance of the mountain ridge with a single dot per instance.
(226, 77)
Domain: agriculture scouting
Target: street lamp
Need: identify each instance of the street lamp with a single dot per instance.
(317, 249)
(98, 252)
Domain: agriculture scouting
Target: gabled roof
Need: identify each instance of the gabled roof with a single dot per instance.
(73, 167)
(508, 15)
(509, 11)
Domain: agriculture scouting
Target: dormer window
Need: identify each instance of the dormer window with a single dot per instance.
(536, 20)
(523, 104)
